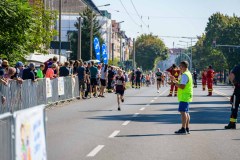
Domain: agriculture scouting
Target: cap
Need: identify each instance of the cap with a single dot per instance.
(19, 64)
(32, 65)
(5, 62)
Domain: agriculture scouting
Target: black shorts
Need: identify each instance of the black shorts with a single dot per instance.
(103, 82)
(159, 80)
(82, 85)
(94, 82)
(121, 92)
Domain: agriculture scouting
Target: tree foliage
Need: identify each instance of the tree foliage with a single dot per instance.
(225, 30)
(148, 48)
(24, 28)
(87, 16)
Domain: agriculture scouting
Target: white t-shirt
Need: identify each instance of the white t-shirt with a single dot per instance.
(184, 79)
(103, 74)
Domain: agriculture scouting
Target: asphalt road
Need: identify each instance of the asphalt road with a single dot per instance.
(144, 129)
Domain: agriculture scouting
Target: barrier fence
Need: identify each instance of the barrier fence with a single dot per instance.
(6, 141)
(22, 134)
(44, 91)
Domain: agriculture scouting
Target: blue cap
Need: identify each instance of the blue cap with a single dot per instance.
(19, 64)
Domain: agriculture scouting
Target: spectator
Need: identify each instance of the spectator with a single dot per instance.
(88, 65)
(93, 79)
(28, 73)
(81, 72)
(40, 71)
(50, 71)
(110, 79)
(47, 64)
(10, 73)
(64, 70)
(103, 78)
(75, 67)
(3, 71)
(18, 68)
(71, 67)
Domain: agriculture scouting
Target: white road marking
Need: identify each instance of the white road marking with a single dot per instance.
(126, 123)
(142, 108)
(155, 97)
(95, 151)
(152, 101)
(114, 134)
(163, 92)
(222, 94)
(136, 114)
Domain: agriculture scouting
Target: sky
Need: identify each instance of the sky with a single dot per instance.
(167, 18)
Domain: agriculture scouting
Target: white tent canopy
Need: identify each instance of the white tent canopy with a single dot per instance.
(41, 58)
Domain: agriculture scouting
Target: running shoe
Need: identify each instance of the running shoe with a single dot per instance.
(181, 131)
(230, 126)
(119, 108)
(187, 129)
(122, 99)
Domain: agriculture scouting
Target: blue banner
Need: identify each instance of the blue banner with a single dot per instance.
(97, 48)
(104, 54)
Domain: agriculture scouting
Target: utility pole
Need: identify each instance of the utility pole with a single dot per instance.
(191, 57)
(112, 51)
(79, 55)
(60, 28)
(134, 54)
(120, 47)
(91, 36)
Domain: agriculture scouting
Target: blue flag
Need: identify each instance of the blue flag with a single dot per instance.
(104, 54)
(97, 48)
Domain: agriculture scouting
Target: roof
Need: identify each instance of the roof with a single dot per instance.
(72, 6)
(92, 5)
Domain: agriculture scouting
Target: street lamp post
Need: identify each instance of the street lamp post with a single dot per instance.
(60, 28)
(191, 38)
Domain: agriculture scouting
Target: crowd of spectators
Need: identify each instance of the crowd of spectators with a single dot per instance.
(93, 78)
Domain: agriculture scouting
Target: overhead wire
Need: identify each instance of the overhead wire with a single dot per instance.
(128, 13)
(140, 17)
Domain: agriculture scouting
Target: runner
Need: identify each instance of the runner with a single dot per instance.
(159, 76)
(120, 87)
(132, 77)
(152, 78)
(138, 78)
(147, 80)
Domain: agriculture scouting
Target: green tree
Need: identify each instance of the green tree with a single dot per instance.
(87, 17)
(24, 28)
(148, 48)
(225, 30)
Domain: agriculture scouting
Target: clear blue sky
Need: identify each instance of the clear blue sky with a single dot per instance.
(168, 17)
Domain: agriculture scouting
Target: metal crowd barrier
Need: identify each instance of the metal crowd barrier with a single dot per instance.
(6, 140)
(29, 94)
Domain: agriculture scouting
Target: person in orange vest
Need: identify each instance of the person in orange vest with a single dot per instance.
(174, 71)
(204, 79)
(210, 75)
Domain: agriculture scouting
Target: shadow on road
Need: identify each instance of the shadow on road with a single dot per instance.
(146, 135)
(199, 115)
(197, 130)
(176, 103)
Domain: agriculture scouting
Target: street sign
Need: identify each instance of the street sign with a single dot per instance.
(64, 45)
